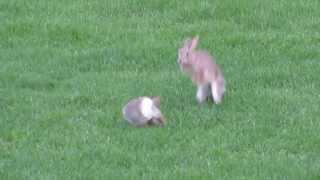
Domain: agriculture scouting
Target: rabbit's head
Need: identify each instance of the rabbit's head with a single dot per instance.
(187, 48)
(156, 100)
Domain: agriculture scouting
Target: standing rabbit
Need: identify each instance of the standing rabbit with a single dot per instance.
(143, 111)
(203, 71)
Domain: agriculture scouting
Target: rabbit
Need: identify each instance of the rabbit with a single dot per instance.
(144, 111)
(203, 71)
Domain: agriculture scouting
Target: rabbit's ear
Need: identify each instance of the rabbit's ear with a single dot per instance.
(156, 101)
(194, 43)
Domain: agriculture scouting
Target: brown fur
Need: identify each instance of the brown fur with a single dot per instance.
(202, 69)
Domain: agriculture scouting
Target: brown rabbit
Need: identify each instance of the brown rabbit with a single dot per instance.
(143, 111)
(203, 70)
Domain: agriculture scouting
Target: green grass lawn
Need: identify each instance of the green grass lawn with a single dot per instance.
(68, 67)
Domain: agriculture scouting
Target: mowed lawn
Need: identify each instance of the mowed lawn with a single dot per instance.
(68, 67)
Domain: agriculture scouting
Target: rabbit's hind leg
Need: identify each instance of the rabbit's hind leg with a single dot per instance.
(203, 92)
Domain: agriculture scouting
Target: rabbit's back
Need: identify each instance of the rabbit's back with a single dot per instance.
(205, 65)
(202, 60)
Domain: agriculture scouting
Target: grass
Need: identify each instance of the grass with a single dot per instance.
(68, 67)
